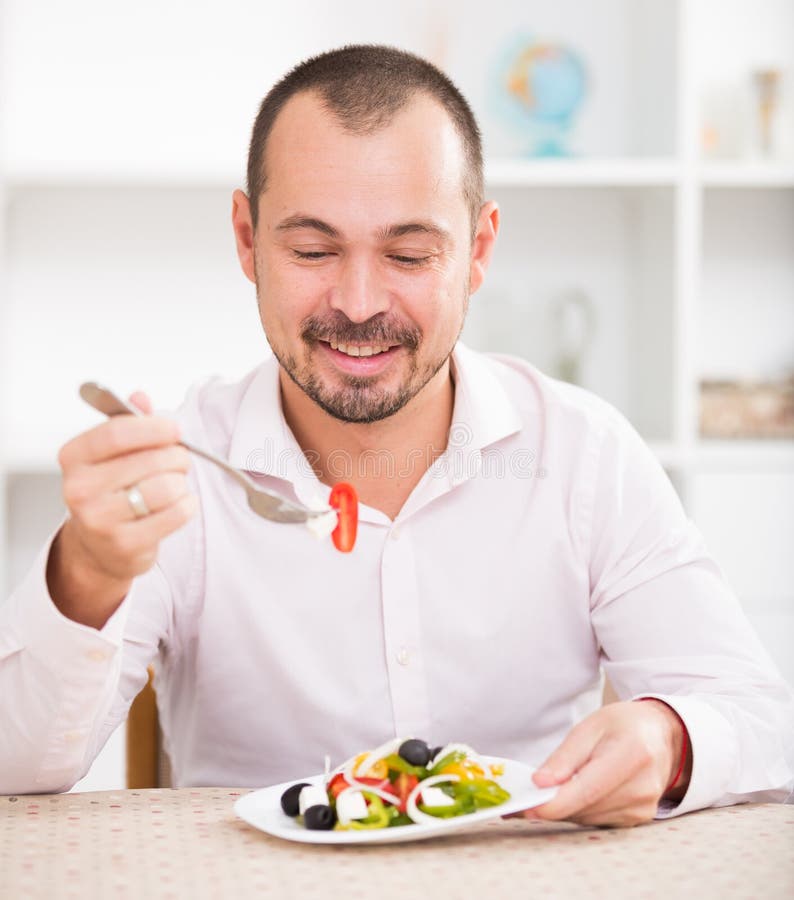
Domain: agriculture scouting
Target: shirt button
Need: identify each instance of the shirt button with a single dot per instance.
(403, 656)
(97, 655)
(395, 533)
(72, 737)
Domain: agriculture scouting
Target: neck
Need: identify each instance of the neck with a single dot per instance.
(383, 460)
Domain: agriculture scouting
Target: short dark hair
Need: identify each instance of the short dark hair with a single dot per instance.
(364, 86)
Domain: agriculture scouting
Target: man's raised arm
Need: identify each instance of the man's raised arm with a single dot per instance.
(66, 678)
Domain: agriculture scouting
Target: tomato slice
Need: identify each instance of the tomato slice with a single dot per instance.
(336, 785)
(403, 785)
(339, 783)
(345, 501)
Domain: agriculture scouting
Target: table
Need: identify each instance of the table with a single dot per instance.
(188, 843)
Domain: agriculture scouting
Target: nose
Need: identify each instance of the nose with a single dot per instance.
(359, 293)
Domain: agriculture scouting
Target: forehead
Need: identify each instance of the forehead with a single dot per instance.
(412, 166)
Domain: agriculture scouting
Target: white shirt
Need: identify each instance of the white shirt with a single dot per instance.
(545, 544)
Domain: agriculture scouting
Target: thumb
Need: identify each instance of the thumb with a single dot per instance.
(569, 757)
(142, 401)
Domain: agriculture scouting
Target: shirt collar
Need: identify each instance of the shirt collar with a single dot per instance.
(263, 443)
(482, 404)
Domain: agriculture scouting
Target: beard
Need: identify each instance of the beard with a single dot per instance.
(360, 399)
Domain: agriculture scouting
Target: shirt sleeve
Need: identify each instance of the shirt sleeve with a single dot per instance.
(670, 627)
(65, 687)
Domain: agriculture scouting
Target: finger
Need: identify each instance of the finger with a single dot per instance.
(597, 779)
(106, 512)
(158, 492)
(140, 534)
(142, 402)
(121, 434)
(636, 799)
(124, 471)
(570, 756)
(92, 492)
(621, 817)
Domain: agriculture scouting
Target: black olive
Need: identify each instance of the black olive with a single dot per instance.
(290, 797)
(435, 751)
(319, 818)
(415, 752)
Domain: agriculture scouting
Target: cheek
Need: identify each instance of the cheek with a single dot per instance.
(289, 293)
(439, 309)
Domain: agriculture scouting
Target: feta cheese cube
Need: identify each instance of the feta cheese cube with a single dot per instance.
(433, 796)
(312, 795)
(351, 805)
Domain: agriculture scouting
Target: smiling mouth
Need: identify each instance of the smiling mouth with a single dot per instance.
(357, 350)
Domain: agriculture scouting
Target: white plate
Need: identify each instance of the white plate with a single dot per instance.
(262, 809)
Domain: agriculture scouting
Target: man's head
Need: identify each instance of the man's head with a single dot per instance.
(364, 226)
(364, 86)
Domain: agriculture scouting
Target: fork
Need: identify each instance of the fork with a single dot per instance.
(263, 503)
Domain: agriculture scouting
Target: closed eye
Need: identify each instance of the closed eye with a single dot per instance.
(311, 254)
(410, 260)
(317, 255)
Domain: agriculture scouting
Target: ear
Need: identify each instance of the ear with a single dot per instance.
(482, 247)
(243, 233)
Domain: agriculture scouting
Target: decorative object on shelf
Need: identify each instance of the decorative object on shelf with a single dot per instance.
(767, 93)
(573, 319)
(537, 87)
(747, 409)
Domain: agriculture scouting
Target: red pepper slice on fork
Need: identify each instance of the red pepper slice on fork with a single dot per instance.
(345, 501)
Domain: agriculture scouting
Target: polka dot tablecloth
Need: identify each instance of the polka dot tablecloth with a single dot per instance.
(189, 843)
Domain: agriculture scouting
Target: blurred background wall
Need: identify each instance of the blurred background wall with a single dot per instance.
(643, 155)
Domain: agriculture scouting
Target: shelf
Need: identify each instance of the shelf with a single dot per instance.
(581, 172)
(756, 455)
(114, 177)
(747, 174)
(499, 172)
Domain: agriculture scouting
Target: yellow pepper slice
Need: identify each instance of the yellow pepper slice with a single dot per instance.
(380, 770)
(466, 771)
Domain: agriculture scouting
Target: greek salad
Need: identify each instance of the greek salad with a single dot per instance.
(401, 782)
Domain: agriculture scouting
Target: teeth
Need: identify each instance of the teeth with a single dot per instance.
(353, 350)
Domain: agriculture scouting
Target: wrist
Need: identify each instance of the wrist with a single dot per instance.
(680, 769)
(77, 587)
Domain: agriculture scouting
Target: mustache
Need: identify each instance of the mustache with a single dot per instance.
(380, 329)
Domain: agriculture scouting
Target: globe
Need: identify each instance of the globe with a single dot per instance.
(537, 88)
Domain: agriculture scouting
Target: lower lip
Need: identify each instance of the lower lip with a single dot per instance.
(360, 365)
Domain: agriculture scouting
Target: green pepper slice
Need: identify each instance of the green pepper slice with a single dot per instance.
(397, 764)
(480, 792)
(379, 816)
(400, 819)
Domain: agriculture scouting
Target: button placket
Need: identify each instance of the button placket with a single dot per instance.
(402, 635)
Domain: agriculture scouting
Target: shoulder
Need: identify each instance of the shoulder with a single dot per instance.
(562, 405)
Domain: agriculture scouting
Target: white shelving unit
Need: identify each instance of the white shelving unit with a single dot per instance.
(118, 261)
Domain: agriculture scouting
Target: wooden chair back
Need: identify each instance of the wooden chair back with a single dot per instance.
(147, 762)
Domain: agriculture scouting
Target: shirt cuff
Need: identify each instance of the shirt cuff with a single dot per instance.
(73, 670)
(714, 755)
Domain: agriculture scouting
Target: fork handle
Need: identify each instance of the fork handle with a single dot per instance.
(105, 401)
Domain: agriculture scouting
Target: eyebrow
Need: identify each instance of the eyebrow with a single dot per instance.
(390, 232)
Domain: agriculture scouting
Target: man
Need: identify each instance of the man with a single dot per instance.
(516, 536)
